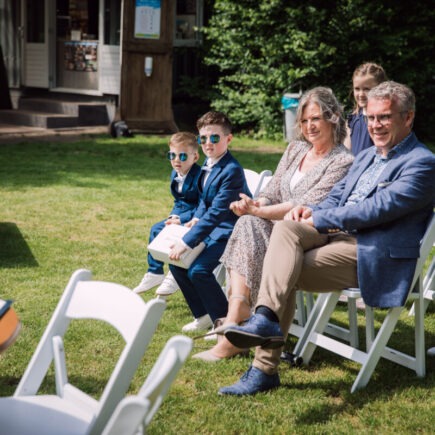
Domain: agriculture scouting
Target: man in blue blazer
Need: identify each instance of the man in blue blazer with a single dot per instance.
(365, 234)
(221, 182)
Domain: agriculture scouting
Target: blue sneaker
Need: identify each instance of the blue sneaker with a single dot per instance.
(258, 330)
(252, 382)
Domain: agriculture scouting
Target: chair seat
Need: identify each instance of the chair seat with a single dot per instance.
(49, 414)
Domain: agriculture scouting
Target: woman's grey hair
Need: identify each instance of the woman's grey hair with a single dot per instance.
(330, 110)
(401, 94)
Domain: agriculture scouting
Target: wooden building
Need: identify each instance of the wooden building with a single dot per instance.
(118, 49)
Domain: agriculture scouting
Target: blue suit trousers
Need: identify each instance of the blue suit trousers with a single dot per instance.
(202, 292)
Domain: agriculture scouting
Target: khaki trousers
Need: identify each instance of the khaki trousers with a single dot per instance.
(299, 257)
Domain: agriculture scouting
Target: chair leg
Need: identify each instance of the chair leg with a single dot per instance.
(377, 348)
(370, 327)
(353, 323)
(300, 314)
(317, 322)
(420, 357)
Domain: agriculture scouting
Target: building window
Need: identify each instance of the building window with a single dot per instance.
(35, 11)
(112, 22)
(189, 17)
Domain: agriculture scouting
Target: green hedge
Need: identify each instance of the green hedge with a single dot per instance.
(262, 48)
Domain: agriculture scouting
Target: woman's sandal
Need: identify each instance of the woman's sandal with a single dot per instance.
(219, 327)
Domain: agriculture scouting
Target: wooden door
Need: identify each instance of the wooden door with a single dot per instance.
(146, 102)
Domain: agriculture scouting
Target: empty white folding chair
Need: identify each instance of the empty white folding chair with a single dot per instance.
(134, 413)
(428, 287)
(71, 410)
(256, 181)
(313, 333)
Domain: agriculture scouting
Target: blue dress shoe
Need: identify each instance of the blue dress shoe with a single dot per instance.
(252, 382)
(257, 331)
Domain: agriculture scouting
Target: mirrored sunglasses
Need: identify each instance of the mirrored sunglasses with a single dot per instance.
(181, 156)
(214, 138)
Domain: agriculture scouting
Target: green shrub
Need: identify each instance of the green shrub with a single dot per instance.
(263, 48)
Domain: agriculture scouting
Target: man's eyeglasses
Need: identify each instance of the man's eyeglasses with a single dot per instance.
(383, 119)
(214, 138)
(182, 156)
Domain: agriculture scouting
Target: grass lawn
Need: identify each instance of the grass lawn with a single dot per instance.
(90, 204)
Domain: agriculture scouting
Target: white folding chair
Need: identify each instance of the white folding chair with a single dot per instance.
(134, 413)
(428, 287)
(304, 305)
(71, 410)
(256, 181)
(313, 333)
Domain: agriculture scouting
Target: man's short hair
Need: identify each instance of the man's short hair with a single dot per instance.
(401, 94)
(215, 118)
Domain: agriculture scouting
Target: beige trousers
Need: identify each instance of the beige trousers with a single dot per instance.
(299, 257)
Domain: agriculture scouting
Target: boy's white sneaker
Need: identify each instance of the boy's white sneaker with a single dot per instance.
(200, 324)
(168, 287)
(149, 281)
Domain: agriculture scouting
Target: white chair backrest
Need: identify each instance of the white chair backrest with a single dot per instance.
(137, 410)
(115, 304)
(255, 180)
(266, 176)
(425, 248)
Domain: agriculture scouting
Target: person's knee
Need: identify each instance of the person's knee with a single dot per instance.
(197, 274)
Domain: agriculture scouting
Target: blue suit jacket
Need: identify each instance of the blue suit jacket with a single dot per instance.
(186, 201)
(389, 223)
(216, 220)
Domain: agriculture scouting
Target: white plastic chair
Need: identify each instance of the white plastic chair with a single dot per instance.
(304, 305)
(313, 333)
(70, 410)
(428, 287)
(134, 413)
(256, 181)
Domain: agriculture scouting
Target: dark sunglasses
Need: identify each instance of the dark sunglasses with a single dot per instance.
(214, 138)
(182, 156)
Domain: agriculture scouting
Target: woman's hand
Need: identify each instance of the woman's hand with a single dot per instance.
(245, 205)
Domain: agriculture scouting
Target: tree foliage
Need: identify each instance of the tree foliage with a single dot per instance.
(263, 48)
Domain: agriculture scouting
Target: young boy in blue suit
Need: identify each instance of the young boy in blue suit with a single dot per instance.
(183, 155)
(221, 181)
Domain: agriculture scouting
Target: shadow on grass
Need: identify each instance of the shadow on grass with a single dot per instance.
(387, 380)
(14, 251)
(387, 383)
(8, 384)
(41, 164)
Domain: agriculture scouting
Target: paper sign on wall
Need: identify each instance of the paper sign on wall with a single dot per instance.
(147, 19)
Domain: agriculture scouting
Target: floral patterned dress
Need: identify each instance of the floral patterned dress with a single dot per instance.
(248, 243)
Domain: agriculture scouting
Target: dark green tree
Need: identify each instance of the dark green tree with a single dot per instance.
(263, 48)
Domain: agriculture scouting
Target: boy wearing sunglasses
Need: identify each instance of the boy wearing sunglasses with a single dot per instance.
(183, 155)
(221, 181)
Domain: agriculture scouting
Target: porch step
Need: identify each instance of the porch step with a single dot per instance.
(37, 119)
(56, 113)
